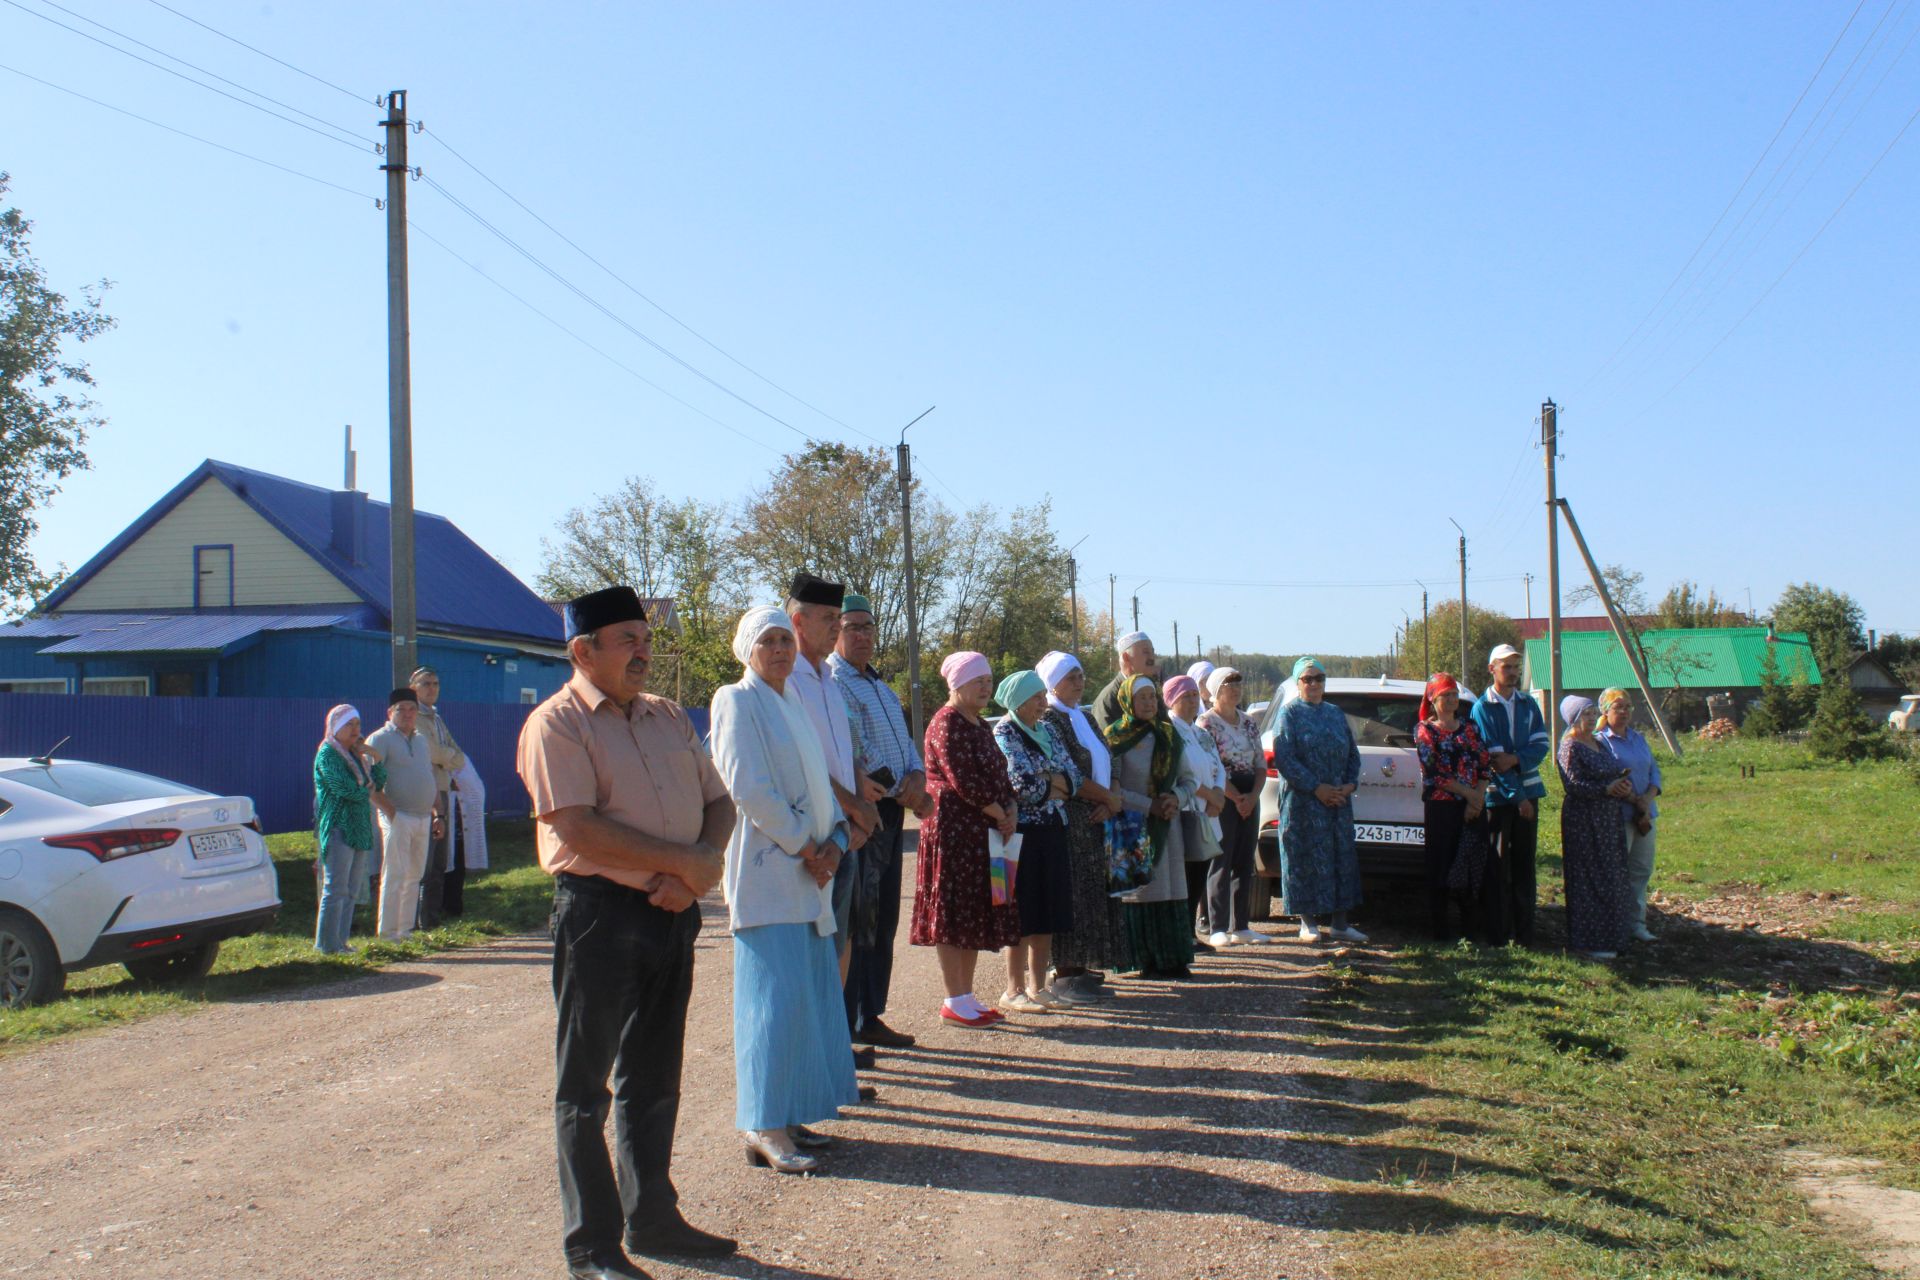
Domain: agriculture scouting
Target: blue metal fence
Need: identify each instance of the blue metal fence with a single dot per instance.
(257, 747)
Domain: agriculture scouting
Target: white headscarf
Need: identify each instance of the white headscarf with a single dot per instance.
(1054, 668)
(337, 719)
(1201, 671)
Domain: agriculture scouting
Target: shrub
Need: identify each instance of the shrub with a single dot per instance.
(1841, 731)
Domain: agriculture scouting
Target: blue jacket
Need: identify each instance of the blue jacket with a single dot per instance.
(1531, 744)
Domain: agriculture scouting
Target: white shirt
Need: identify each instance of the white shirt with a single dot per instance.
(1506, 705)
(827, 708)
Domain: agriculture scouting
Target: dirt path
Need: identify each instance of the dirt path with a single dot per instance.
(400, 1125)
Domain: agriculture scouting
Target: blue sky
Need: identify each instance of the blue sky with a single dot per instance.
(1257, 294)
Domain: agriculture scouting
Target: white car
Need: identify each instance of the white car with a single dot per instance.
(100, 865)
(1905, 718)
(1390, 824)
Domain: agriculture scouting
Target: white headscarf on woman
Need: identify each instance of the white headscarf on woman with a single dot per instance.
(337, 719)
(813, 761)
(1054, 668)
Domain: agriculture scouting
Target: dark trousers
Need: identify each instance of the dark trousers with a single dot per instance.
(1197, 893)
(1230, 876)
(1511, 892)
(453, 886)
(434, 876)
(1445, 819)
(622, 975)
(870, 969)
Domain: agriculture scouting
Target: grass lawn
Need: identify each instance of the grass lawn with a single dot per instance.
(514, 896)
(1531, 1114)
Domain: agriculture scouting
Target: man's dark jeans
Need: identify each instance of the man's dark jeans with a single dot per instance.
(433, 875)
(870, 970)
(622, 975)
(1512, 842)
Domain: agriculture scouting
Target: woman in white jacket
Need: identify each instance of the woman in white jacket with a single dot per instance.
(793, 1058)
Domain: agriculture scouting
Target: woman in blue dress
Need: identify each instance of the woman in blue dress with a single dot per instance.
(1315, 753)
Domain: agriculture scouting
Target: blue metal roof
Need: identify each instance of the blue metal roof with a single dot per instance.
(458, 586)
(210, 633)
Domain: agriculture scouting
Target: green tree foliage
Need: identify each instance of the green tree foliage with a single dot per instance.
(1834, 622)
(1685, 608)
(1841, 730)
(45, 412)
(1771, 717)
(1486, 628)
(1901, 655)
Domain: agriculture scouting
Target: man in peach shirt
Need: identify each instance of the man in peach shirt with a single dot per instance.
(632, 821)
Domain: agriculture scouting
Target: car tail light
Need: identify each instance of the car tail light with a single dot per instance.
(108, 845)
(1271, 771)
(162, 941)
(253, 825)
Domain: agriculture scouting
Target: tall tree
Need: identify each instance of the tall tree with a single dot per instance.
(1833, 620)
(45, 411)
(1485, 629)
(1685, 608)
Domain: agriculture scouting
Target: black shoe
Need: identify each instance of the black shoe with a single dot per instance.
(878, 1032)
(678, 1239)
(868, 1093)
(606, 1267)
(863, 1059)
(1204, 948)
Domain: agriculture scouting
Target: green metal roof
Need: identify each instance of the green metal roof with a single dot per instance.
(1708, 657)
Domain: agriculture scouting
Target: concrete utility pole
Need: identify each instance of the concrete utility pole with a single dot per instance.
(1528, 579)
(352, 480)
(905, 470)
(1463, 594)
(1550, 440)
(1619, 622)
(1113, 615)
(1426, 636)
(1073, 592)
(1176, 642)
(401, 609)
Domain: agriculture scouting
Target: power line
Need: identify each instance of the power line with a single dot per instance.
(636, 292)
(1732, 200)
(1383, 584)
(218, 146)
(607, 311)
(180, 75)
(262, 52)
(53, 4)
(616, 362)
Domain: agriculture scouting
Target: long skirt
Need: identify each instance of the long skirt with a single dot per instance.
(792, 1058)
(1161, 934)
(1098, 938)
(1042, 888)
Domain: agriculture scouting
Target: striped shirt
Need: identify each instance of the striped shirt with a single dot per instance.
(884, 739)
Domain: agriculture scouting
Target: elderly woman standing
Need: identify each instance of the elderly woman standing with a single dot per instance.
(1455, 769)
(1043, 777)
(1593, 846)
(347, 783)
(1631, 751)
(1200, 816)
(793, 1061)
(1318, 760)
(1147, 753)
(1230, 876)
(953, 907)
(1097, 938)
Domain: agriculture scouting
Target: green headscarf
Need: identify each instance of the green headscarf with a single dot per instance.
(1013, 691)
(1124, 734)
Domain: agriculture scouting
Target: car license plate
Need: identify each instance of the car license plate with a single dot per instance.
(1388, 833)
(212, 844)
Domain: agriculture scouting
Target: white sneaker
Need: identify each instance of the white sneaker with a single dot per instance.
(1347, 933)
(1250, 938)
(1046, 999)
(1022, 1003)
(1221, 940)
(1310, 935)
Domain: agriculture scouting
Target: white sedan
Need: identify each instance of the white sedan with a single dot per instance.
(100, 865)
(1389, 818)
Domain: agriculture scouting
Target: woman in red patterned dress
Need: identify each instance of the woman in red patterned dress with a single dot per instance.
(967, 782)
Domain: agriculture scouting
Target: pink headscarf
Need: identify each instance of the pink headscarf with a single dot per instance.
(1178, 687)
(964, 667)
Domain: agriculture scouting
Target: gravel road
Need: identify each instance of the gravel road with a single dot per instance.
(400, 1125)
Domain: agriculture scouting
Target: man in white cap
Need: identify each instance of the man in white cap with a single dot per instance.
(1136, 659)
(1515, 732)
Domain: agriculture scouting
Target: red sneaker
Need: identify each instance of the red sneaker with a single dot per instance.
(986, 1019)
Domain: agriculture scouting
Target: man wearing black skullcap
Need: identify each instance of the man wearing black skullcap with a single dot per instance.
(409, 818)
(632, 819)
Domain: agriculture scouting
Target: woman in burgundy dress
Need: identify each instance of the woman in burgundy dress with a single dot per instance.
(967, 782)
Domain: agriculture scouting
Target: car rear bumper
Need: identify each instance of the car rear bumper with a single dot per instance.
(1392, 861)
(114, 948)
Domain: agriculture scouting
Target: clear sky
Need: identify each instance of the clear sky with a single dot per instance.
(1259, 294)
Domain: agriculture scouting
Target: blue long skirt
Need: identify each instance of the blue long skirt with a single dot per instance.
(792, 1055)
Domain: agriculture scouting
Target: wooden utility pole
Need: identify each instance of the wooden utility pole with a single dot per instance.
(1073, 591)
(1550, 440)
(905, 469)
(402, 617)
(1620, 633)
(1176, 642)
(1426, 638)
(1113, 615)
(1528, 579)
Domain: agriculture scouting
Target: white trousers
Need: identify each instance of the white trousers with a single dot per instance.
(406, 836)
(472, 796)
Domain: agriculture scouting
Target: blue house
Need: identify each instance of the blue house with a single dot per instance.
(242, 584)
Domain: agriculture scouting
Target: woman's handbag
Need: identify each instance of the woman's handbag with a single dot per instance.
(1197, 835)
(1129, 853)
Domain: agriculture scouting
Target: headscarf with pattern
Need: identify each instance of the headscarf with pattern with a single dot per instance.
(1124, 734)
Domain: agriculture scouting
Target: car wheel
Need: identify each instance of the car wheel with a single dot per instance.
(30, 970)
(1260, 899)
(180, 966)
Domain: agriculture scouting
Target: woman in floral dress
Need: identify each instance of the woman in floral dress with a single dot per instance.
(1593, 844)
(1230, 876)
(1097, 940)
(1043, 776)
(1317, 758)
(953, 909)
(1454, 771)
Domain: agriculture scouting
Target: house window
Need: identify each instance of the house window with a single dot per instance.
(529, 697)
(213, 577)
(174, 684)
(58, 685)
(116, 686)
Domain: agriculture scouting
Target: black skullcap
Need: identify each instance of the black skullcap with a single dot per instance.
(808, 589)
(603, 608)
(402, 694)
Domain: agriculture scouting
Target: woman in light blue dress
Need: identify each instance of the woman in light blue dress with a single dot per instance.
(1320, 767)
(792, 1053)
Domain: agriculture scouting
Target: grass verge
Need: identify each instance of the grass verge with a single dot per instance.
(513, 896)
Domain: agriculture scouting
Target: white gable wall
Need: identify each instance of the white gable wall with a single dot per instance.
(156, 570)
